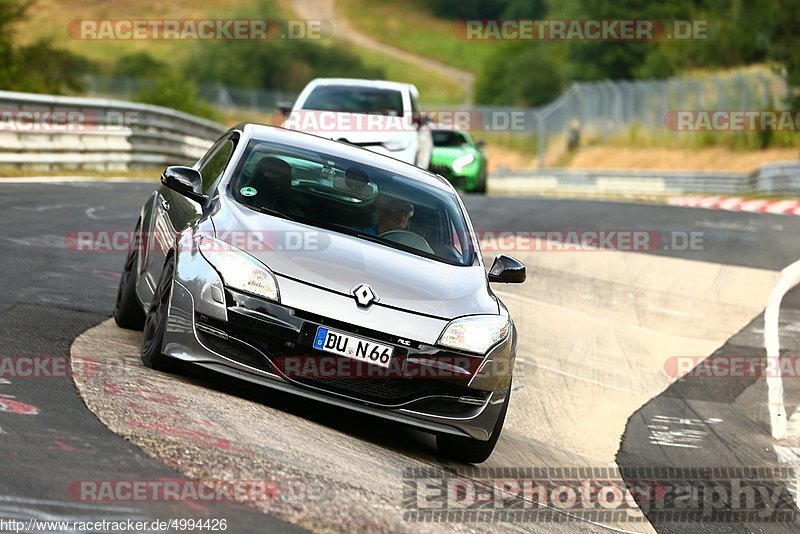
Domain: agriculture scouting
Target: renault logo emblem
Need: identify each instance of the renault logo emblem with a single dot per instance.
(364, 295)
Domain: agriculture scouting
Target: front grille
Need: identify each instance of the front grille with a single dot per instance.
(388, 391)
(252, 341)
(451, 407)
(444, 170)
(235, 350)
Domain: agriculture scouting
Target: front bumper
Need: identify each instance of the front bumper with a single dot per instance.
(467, 179)
(253, 339)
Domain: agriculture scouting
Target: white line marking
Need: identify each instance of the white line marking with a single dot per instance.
(90, 212)
(47, 207)
(738, 227)
(63, 504)
(588, 380)
(67, 179)
(668, 311)
(789, 277)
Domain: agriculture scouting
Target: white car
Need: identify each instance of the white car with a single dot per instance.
(378, 115)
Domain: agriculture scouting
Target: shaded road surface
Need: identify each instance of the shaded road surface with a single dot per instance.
(49, 295)
(596, 329)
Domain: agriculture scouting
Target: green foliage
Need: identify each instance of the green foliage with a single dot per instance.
(173, 91)
(518, 76)
(11, 12)
(44, 68)
(784, 47)
(139, 65)
(284, 64)
(739, 32)
(486, 9)
(40, 67)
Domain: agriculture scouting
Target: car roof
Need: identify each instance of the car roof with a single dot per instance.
(382, 84)
(276, 134)
(443, 127)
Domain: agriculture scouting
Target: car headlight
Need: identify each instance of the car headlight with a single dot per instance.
(397, 144)
(462, 161)
(238, 269)
(476, 333)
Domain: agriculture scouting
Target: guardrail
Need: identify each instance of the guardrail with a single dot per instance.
(45, 132)
(772, 179)
(781, 178)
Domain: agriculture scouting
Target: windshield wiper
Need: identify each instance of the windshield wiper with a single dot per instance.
(352, 231)
(270, 211)
(370, 237)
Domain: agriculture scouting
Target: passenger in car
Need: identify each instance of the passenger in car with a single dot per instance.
(272, 178)
(391, 214)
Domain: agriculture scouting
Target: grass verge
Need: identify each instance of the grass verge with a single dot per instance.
(410, 26)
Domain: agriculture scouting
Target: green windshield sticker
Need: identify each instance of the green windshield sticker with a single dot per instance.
(248, 191)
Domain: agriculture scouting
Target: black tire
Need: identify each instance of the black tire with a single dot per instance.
(128, 312)
(473, 451)
(482, 184)
(156, 321)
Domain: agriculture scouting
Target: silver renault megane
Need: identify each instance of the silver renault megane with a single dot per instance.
(325, 270)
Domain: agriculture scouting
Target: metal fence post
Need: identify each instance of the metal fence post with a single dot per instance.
(541, 134)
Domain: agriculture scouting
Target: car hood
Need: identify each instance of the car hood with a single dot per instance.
(446, 155)
(357, 128)
(338, 262)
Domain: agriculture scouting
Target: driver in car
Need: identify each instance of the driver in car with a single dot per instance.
(392, 214)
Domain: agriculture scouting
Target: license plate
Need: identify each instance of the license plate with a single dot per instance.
(353, 347)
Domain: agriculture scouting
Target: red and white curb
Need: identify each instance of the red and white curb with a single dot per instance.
(777, 207)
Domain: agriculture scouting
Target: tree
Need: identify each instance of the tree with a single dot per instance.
(516, 74)
(40, 67)
(173, 91)
(11, 12)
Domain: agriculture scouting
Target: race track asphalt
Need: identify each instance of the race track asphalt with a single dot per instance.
(49, 294)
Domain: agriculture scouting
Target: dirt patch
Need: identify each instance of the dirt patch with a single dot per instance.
(661, 159)
(707, 159)
(501, 158)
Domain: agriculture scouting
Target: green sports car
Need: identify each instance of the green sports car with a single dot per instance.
(459, 159)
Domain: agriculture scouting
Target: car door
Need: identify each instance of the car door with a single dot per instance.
(173, 212)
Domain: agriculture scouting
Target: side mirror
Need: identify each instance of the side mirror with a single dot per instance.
(284, 107)
(186, 181)
(480, 143)
(508, 270)
(420, 119)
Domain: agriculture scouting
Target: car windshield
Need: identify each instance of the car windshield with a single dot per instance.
(355, 99)
(352, 198)
(447, 138)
